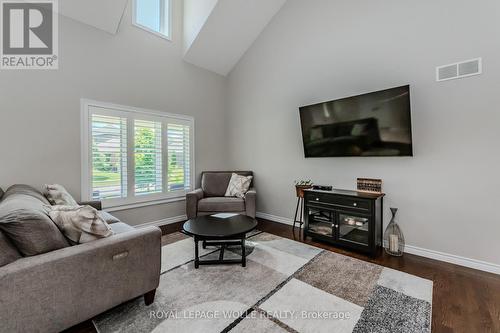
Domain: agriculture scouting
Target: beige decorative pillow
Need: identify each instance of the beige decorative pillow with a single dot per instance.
(238, 185)
(81, 224)
(57, 195)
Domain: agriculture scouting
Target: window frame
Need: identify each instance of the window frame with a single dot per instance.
(167, 15)
(132, 200)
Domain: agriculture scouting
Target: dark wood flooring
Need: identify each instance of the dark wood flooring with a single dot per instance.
(464, 299)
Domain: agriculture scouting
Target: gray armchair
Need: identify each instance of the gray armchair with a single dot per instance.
(210, 199)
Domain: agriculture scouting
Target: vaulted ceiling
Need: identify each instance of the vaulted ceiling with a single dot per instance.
(216, 32)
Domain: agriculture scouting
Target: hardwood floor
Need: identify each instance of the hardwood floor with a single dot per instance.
(464, 299)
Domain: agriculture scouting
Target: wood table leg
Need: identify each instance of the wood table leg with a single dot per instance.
(243, 253)
(296, 211)
(221, 254)
(301, 212)
(196, 255)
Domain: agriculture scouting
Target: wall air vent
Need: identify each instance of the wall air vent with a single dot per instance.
(459, 70)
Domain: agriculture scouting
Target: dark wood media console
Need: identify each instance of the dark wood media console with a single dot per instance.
(348, 219)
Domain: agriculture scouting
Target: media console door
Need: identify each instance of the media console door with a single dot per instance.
(355, 229)
(345, 218)
(320, 221)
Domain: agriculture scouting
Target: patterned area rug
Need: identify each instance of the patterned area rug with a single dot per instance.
(287, 286)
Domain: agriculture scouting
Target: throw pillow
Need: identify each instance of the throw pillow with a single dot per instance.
(238, 185)
(80, 224)
(57, 195)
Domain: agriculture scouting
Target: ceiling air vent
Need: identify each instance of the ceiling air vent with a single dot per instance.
(459, 70)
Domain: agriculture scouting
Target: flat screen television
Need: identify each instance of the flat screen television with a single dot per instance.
(373, 124)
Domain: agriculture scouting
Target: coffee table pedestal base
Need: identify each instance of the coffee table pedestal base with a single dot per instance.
(235, 240)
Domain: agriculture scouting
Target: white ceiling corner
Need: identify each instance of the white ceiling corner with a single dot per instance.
(228, 30)
(102, 14)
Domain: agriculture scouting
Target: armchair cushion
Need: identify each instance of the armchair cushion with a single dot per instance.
(221, 204)
(214, 184)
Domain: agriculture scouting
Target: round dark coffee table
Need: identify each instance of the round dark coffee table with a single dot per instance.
(212, 230)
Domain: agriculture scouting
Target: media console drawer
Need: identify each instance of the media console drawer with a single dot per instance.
(339, 201)
(346, 218)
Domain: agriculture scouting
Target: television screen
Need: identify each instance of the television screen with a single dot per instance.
(373, 124)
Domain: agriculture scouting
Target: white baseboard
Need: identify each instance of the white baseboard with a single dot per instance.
(453, 259)
(168, 220)
(274, 218)
(441, 256)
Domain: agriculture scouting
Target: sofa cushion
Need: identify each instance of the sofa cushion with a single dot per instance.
(57, 195)
(120, 227)
(24, 221)
(214, 183)
(110, 219)
(25, 190)
(221, 204)
(32, 232)
(8, 252)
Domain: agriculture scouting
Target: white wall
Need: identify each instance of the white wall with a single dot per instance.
(40, 110)
(321, 50)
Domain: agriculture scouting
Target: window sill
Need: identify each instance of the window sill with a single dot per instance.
(151, 31)
(120, 207)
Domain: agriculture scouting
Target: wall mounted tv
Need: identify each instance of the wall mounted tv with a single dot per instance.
(373, 124)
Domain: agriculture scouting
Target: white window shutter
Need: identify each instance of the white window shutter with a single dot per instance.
(178, 152)
(148, 157)
(109, 157)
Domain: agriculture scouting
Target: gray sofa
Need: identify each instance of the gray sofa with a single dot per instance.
(47, 285)
(210, 199)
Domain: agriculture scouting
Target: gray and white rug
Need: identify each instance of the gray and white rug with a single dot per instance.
(287, 286)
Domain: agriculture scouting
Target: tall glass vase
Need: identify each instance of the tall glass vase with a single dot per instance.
(394, 241)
